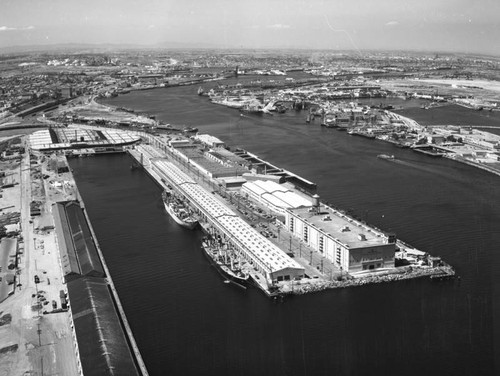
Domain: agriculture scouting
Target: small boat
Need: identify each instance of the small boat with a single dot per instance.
(200, 91)
(385, 156)
(218, 257)
(190, 130)
(177, 210)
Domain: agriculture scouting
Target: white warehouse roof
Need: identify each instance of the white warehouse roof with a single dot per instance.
(277, 194)
(238, 230)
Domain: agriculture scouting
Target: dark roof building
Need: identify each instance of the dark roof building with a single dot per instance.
(102, 343)
(77, 249)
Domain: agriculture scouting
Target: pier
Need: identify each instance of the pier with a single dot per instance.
(288, 264)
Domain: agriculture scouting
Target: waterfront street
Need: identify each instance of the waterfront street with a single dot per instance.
(41, 343)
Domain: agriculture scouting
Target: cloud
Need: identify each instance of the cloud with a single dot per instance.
(392, 23)
(6, 28)
(278, 26)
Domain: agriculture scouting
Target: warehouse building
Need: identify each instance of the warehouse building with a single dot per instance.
(78, 252)
(271, 261)
(274, 196)
(349, 244)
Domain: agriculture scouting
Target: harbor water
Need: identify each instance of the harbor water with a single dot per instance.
(186, 321)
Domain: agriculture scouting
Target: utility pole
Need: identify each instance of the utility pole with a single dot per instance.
(39, 331)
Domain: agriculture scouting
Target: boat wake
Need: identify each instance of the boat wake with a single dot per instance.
(429, 169)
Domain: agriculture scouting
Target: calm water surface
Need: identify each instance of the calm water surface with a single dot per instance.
(188, 322)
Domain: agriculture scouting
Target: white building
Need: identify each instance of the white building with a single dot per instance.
(275, 196)
(211, 141)
(342, 240)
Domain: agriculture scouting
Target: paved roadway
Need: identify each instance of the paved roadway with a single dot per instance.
(45, 342)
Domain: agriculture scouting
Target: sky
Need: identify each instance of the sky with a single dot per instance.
(468, 26)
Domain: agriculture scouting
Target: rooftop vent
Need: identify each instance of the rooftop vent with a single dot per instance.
(361, 237)
(345, 229)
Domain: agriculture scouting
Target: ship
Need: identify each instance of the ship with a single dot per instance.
(385, 156)
(177, 210)
(190, 129)
(218, 255)
(252, 108)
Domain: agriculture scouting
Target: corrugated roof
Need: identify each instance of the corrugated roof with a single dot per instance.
(68, 136)
(86, 251)
(277, 194)
(69, 261)
(239, 231)
(101, 340)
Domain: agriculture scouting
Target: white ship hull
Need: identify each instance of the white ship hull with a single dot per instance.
(188, 222)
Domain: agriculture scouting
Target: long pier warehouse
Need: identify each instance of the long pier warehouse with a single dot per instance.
(270, 261)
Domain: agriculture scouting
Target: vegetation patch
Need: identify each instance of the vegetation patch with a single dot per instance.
(7, 349)
(5, 319)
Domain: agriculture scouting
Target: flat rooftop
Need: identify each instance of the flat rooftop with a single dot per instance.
(342, 227)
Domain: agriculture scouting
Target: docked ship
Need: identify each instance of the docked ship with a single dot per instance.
(252, 108)
(177, 210)
(219, 256)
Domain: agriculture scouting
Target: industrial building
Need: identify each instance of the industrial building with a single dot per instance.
(268, 259)
(349, 244)
(209, 140)
(276, 197)
(66, 138)
(102, 344)
(79, 255)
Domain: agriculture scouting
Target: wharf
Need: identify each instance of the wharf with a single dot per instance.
(270, 169)
(319, 273)
(116, 299)
(266, 258)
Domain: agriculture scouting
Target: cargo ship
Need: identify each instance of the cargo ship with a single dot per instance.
(177, 210)
(226, 265)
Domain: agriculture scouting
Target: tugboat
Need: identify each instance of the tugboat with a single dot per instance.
(190, 130)
(219, 256)
(177, 210)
